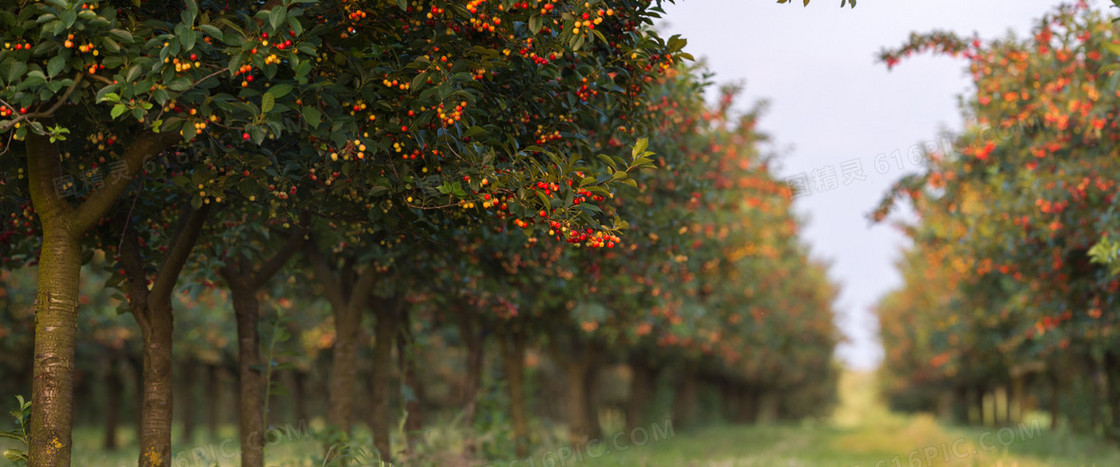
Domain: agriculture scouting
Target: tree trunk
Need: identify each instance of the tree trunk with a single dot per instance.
(1055, 398)
(56, 319)
(978, 394)
(642, 382)
(189, 405)
(214, 393)
(113, 389)
(344, 369)
(579, 425)
(960, 405)
(591, 389)
(381, 378)
(1112, 370)
(1015, 400)
(767, 410)
(299, 394)
(1000, 405)
(513, 362)
(414, 416)
(1099, 390)
(748, 405)
(685, 401)
(155, 420)
(474, 343)
(250, 406)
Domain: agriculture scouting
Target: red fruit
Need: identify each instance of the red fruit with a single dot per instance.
(245, 136)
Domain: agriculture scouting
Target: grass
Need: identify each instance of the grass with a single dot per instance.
(861, 433)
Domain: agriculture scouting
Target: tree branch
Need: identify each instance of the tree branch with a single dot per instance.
(325, 275)
(46, 113)
(43, 170)
(363, 287)
(99, 202)
(133, 265)
(186, 237)
(273, 264)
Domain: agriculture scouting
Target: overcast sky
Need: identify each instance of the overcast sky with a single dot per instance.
(833, 109)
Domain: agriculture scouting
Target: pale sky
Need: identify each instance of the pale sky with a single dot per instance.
(833, 106)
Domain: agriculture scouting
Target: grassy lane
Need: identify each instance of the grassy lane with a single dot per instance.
(863, 433)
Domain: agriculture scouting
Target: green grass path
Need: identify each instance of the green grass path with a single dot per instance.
(861, 433)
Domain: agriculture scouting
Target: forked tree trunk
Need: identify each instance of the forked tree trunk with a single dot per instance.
(348, 298)
(244, 281)
(149, 300)
(513, 362)
(56, 300)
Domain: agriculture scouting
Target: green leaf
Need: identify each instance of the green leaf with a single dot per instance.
(312, 115)
(607, 159)
(55, 65)
(418, 82)
(213, 31)
(280, 90)
(16, 69)
(180, 84)
(474, 131)
(1113, 48)
(267, 102)
(402, 4)
(110, 45)
(535, 24)
(35, 78)
(640, 147)
(277, 16)
(118, 110)
(121, 35)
